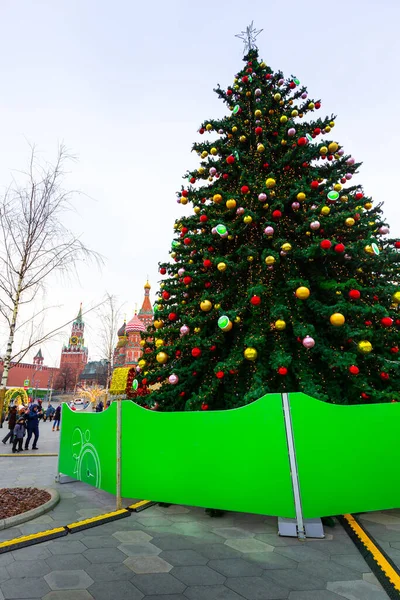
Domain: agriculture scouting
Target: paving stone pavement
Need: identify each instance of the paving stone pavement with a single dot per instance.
(384, 526)
(178, 552)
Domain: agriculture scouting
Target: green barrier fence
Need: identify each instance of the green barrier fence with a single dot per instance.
(347, 456)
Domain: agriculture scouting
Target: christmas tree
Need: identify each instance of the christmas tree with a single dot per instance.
(283, 279)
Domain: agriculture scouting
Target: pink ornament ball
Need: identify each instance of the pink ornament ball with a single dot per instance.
(220, 131)
(270, 267)
(262, 197)
(269, 230)
(350, 161)
(291, 132)
(340, 152)
(240, 210)
(281, 81)
(295, 205)
(184, 330)
(308, 342)
(181, 271)
(258, 99)
(173, 379)
(138, 369)
(214, 231)
(348, 176)
(384, 229)
(314, 225)
(178, 201)
(283, 253)
(304, 95)
(212, 171)
(258, 92)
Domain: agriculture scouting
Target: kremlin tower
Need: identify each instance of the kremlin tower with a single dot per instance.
(128, 350)
(74, 356)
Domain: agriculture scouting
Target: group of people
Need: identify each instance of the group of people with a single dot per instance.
(25, 421)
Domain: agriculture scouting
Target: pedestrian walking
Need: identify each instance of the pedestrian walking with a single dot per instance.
(33, 427)
(99, 407)
(57, 418)
(50, 410)
(19, 433)
(12, 419)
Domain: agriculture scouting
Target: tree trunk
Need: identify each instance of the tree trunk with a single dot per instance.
(10, 342)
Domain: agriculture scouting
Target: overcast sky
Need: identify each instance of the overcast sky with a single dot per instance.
(125, 85)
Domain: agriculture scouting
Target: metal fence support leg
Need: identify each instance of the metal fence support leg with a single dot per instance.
(118, 466)
(301, 534)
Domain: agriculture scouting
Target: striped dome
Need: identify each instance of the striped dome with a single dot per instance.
(135, 324)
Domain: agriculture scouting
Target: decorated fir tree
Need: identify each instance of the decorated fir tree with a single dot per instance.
(283, 278)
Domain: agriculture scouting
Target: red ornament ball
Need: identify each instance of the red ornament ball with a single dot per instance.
(339, 248)
(187, 241)
(220, 374)
(258, 130)
(172, 316)
(282, 371)
(268, 76)
(302, 141)
(207, 263)
(394, 350)
(213, 348)
(192, 180)
(265, 165)
(166, 295)
(354, 370)
(187, 280)
(178, 354)
(163, 270)
(225, 176)
(203, 219)
(196, 352)
(229, 92)
(184, 230)
(359, 195)
(207, 284)
(314, 185)
(255, 300)
(184, 193)
(276, 214)
(292, 85)
(387, 322)
(230, 160)
(325, 244)
(384, 376)
(397, 245)
(244, 189)
(245, 79)
(182, 394)
(318, 105)
(317, 131)
(368, 323)
(204, 406)
(365, 396)
(354, 294)
(202, 130)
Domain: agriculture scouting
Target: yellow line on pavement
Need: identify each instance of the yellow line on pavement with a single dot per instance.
(24, 454)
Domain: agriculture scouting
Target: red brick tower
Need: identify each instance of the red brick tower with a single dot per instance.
(74, 356)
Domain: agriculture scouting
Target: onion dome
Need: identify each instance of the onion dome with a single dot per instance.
(135, 324)
(121, 330)
(147, 286)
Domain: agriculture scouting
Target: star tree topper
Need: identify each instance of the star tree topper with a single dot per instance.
(249, 37)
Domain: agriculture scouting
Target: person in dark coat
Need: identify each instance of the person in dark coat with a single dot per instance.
(33, 427)
(99, 407)
(12, 419)
(19, 433)
(57, 418)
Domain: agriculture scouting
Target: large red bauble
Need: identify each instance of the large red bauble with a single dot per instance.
(368, 323)
(230, 159)
(245, 79)
(192, 180)
(204, 406)
(354, 370)
(210, 249)
(255, 300)
(276, 214)
(163, 270)
(354, 294)
(364, 396)
(325, 244)
(318, 105)
(207, 263)
(165, 295)
(384, 376)
(203, 218)
(302, 141)
(207, 284)
(187, 241)
(144, 381)
(184, 193)
(359, 195)
(375, 298)
(184, 230)
(258, 130)
(265, 165)
(213, 348)
(244, 189)
(225, 176)
(314, 185)
(187, 280)
(229, 92)
(397, 244)
(292, 85)
(202, 130)
(339, 248)
(147, 350)
(182, 394)
(178, 354)
(220, 374)
(282, 371)
(268, 76)
(386, 322)
(172, 316)
(317, 131)
(394, 350)
(196, 352)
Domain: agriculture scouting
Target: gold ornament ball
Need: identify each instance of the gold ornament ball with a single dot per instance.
(258, 113)
(325, 210)
(265, 206)
(283, 119)
(142, 343)
(201, 170)
(230, 237)
(260, 148)
(368, 205)
(158, 324)
(190, 261)
(246, 122)
(213, 151)
(271, 111)
(337, 187)
(183, 301)
(250, 354)
(365, 347)
(173, 254)
(217, 198)
(270, 183)
(237, 319)
(231, 203)
(248, 94)
(350, 222)
(162, 358)
(235, 87)
(311, 105)
(221, 266)
(280, 325)
(184, 200)
(368, 249)
(208, 126)
(302, 292)
(308, 232)
(272, 193)
(294, 113)
(142, 363)
(204, 154)
(286, 247)
(263, 65)
(301, 196)
(337, 319)
(196, 210)
(159, 343)
(197, 329)
(206, 305)
(228, 327)
(234, 129)
(344, 198)
(327, 129)
(323, 150)
(269, 260)
(277, 97)
(333, 147)
(247, 219)
(396, 297)
(371, 223)
(242, 138)
(283, 142)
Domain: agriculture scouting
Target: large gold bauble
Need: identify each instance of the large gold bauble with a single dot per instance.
(301, 196)
(364, 346)
(337, 187)
(162, 358)
(368, 205)
(234, 129)
(396, 297)
(258, 113)
(260, 148)
(280, 325)
(325, 210)
(197, 329)
(242, 138)
(248, 219)
(270, 183)
(228, 327)
(221, 266)
(197, 209)
(204, 154)
(206, 305)
(350, 222)
(269, 260)
(214, 151)
(217, 198)
(368, 249)
(302, 293)
(283, 119)
(158, 324)
(159, 343)
(333, 147)
(142, 363)
(323, 150)
(208, 126)
(286, 247)
(337, 319)
(250, 354)
(231, 203)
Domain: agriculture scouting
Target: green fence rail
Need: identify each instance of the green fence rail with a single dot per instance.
(347, 456)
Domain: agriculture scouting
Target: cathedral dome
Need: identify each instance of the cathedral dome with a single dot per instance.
(147, 286)
(122, 330)
(135, 324)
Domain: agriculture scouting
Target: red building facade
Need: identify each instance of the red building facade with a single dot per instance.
(36, 376)
(74, 357)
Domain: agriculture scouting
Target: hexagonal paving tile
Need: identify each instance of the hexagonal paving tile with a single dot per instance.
(109, 572)
(115, 590)
(99, 541)
(103, 555)
(139, 549)
(210, 592)
(132, 537)
(28, 568)
(233, 532)
(257, 588)
(68, 595)
(24, 587)
(183, 558)
(249, 545)
(158, 583)
(147, 564)
(68, 562)
(31, 553)
(69, 546)
(68, 580)
(235, 567)
(198, 575)
(174, 509)
(356, 590)
(159, 521)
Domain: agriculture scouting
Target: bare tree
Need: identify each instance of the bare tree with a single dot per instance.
(34, 244)
(109, 314)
